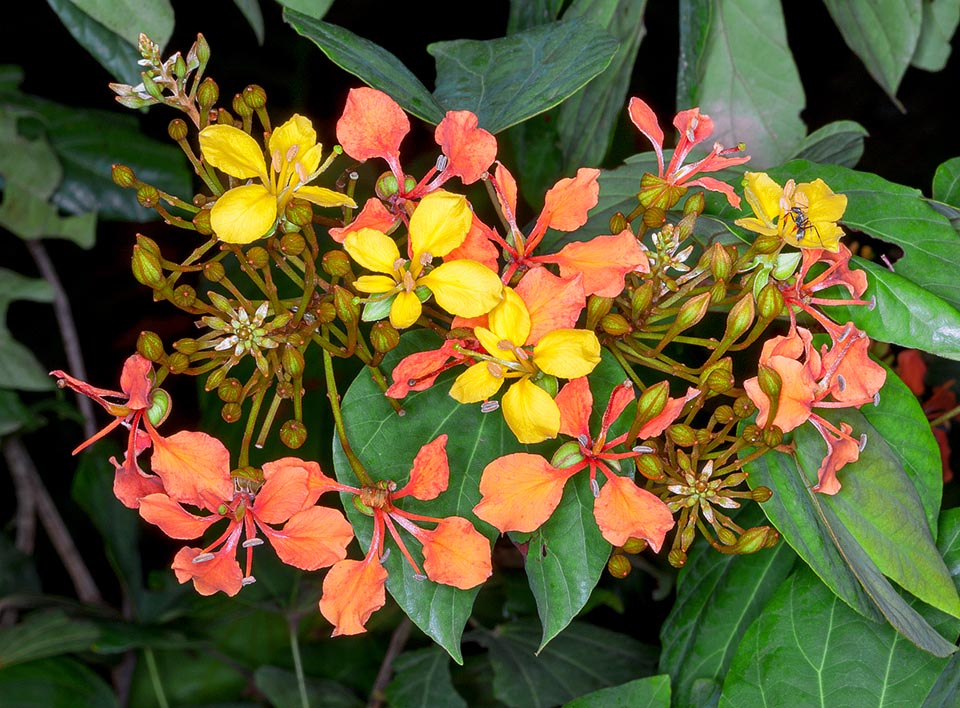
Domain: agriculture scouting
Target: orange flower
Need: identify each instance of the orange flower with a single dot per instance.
(195, 469)
(454, 552)
(521, 491)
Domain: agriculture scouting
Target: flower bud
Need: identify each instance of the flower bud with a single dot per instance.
(387, 186)
(186, 346)
(240, 107)
(718, 291)
(214, 271)
(257, 257)
(292, 360)
(151, 86)
(615, 325)
(148, 196)
(325, 312)
(752, 434)
(739, 319)
(654, 216)
(695, 204)
(293, 434)
(229, 390)
(642, 298)
(254, 96)
(634, 545)
(201, 222)
(177, 129)
(150, 346)
(772, 436)
(215, 378)
(691, 312)
(123, 176)
(618, 222)
(718, 377)
(335, 263)
(347, 307)
(652, 401)
(597, 308)
(766, 244)
(548, 383)
(771, 384)
(761, 494)
(299, 212)
(684, 227)
(726, 536)
(567, 455)
(384, 337)
(682, 435)
(184, 296)
(292, 244)
(743, 407)
(178, 363)
(724, 414)
(148, 244)
(201, 49)
(650, 466)
(769, 301)
(146, 268)
(756, 539)
(619, 566)
(231, 412)
(207, 94)
(677, 558)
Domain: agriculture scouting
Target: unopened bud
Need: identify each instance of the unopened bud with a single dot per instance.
(149, 245)
(214, 271)
(652, 402)
(642, 297)
(187, 346)
(743, 407)
(756, 539)
(201, 222)
(567, 455)
(201, 49)
(150, 346)
(691, 312)
(654, 216)
(619, 566)
(721, 264)
(151, 86)
(240, 107)
(148, 196)
(384, 337)
(682, 435)
(618, 222)
(634, 545)
(335, 263)
(146, 267)
(718, 377)
(615, 325)
(231, 412)
(597, 308)
(684, 227)
(772, 436)
(724, 414)
(178, 363)
(677, 558)
(254, 96)
(347, 307)
(228, 390)
(769, 301)
(184, 296)
(766, 244)
(123, 176)
(695, 204)
(726, 536)
(761, 494)
(207, 94)
(299, 212)
(650, 466)
(548, 383)
(718, 291)
(177, 129)
(387, 186)
(325, 312)
(257, 257)
(293, 434)
(215, 379)
(740, 318)
(292, 361)
(292, 244)
(752, 434)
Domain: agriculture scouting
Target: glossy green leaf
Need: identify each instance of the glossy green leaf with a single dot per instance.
(19, 368)
(250, 9)
(525, 14)
(129, 18)
(940, 19)
(43, 634)
(312, 8)
(387, 444)
(422, 678)
(946, 182)
(837, 143)
(114, 53)
(808, 649)
(586, 121)
(718, 596)
(883, 33)
(190, 678)
(54, 683)
(508, 80)
(650, 692)
(281, 689)
(582, 659)
(738, 68)
(370, 63)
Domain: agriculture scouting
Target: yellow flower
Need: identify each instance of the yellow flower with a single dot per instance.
(804, 215)
(530, 412)
(438, 225)
(249, 212)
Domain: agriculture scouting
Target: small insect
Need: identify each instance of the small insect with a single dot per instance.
(803, 226)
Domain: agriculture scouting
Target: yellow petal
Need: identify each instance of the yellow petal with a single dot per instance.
(510, 319)
(763, 196)
(299, 132)
(375, 283)
(233, 151)
(475, 384)
(372, 249)
(757, 226)
(405, 310)
(825, 205)
(325, 197)
(464, 287)
(439, 223)
(530, 412)
(244, 214)
(491, 342)
(567, 353)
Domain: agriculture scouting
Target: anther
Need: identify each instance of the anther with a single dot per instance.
(489, 406)
(595, 488)
(844, 334)
(873, 303)
(292, 152)
(251, 542)
(583, 439)
(419, 576)
(442, 163)
(876, 398)
(249, 580)
(203, 557)
(863, 441)
(386, 554)
(841, 383)
(642, 449)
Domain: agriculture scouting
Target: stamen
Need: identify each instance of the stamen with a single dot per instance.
(489, 406)
(595, 487)
(642, 449)
(863, 441)
(249, 580)
(251, 542)
(426, 258)
(505, 344)
(495, 370)
(301, 172)
(419, 576)
(275, 160)
(398, 264)
(876, 399)
(442, 162)
(844, 334)
(386, 554)
(583, 439)
(292, 152)
(886, 262)
(841, 383)
(873, 303)
(204, 557)
(522, 354)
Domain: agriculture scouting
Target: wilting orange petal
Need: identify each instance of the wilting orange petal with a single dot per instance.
(566, 204)
(603, 262)
(418, 371)
(194, 467)
(352, 591)
(135, 381)
(840, 451)
(470, 150)
(372, 125)
(520, 491)
(314, 538)
(507, 194)
(862, 376)
(130, 484)
(575, 402)
(621, 396)
(374, 215)
(430, 474)
(624, 511)
(553, 303)
(222, 572)
(456, 554)
(173, 519)
(645, 119)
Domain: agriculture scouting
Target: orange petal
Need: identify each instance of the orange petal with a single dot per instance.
(624, 511)
(566, 204)
(507, 194)
(352, 591)
(372, 125)
(520, 491)
(221, 573)
(862, 376)
(840, 451)
(314, 538)
(603, 262)
(796, 394)
(374, 215)
(470, 150)
(194, 467)
(645, 119)
(284, 492)
(456, 554)
(477, 246)
(671, 410)
(173, 519)
(135, 381)
(553, 303)
(317, 482)
(418, 371)
(130, 484)
(430, 474)
(575, 402)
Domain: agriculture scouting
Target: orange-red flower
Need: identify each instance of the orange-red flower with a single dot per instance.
(521, 491)
(195, 469)
(454, 552)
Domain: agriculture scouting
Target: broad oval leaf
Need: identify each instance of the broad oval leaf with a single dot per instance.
(508, 80)
(650, 692)
(940, 19)
(946, 182)
(837, 143)
(130, 18)
(118, 55)
(422, 678)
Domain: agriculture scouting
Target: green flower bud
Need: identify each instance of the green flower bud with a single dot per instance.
(634, 545)
(178, 363)
(347, 307)
(186, 346)
(299, 212)
(335, 263)
(567, 455)
(695, 204)
(721, 263)
(146, 268)
(615, 325)
(743, 407)
(254, 96)
(772, 436)
(718, 377)
(597, 309)
(691, 312)
(756, 539)
(384, 337)
(150, 346)
(292, 361)
(240, 107)
(387, 185)
(618, 222)
(724, 414)
(184, 296)
(761, 494)
(293, 434)
(257, 257)
(229, 390)
(682, 435)
(214, 271)
(548, 383)
(652, 401)
(177, 129)
(650, 466)
(123, 176)
(148, 196)
(201, 222)
(767, 244)
(677, 558)
(215, 379)
(326, 312)
(619, 566)
(642, 298)
(208, 94)
(739, 319)
(231, 412)
(149, 245)
(770, 301)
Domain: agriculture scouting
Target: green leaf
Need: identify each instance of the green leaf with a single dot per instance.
(905, 313)
(113, 52)
(883, 33)
(54, 683)
(129, 18)
(946, 182)
(387, 444)
(584, 658)
(250, 9)
(738, 68)
(940, 18)
(422, 678)
(650, 692)
(40, 635)
(808, 649)
(370, 63)
(508, 80)
(18, 574)
(190, 678)
(13, 414)
(19, 368)
(837, 143)
(879, 506)
(718, 596)
(312, 8)
(281, 689)
(587, 119)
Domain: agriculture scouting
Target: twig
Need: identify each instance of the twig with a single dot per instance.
(26, 519)
(68, 330)
(19, 459)
(397, 641)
